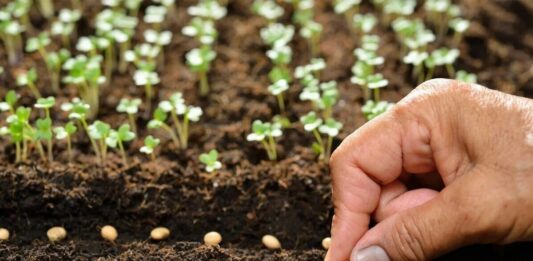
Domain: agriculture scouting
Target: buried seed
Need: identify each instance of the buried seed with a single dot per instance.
(271, 242)
(56, 234)
(326, 242)
(159, 233)
(212, 238)
(109, 233)
(4, 234)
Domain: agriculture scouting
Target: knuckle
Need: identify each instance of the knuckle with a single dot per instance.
(408, 240)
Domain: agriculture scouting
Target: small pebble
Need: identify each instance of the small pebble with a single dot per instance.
(109, 233)
(326, 242)
(212, 238)
(271, 242)
(159, 233)
(4, 234)
(56, 234)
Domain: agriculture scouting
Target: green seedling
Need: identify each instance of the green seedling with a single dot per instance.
(85, 73)
(459, 26)
(199, 61)
(9, 102)
(281, 56)
(311, 122)
(130, 107)
(155, 16)
(210, 160)
(28, 79)
(277, 89)
(55, 61)
(65, 133)
(266, 133)
(39, 43)
(201, 29)
(439, 12)
(331, 129)
(44, 126)
(268, 9)
(47, 8)
(22, 133)
(346, 7)
(208, 9)
(117, 138)
(370, 42)
(372, 109)
(276, 35)
(364, 23)
(150, 144)
(305, 73)
(158, 39)
(147, 76)
(417, 59)
(312, 31)
(159, 122)
(412, 34)
(11, 31)
(441, 57)
(20, 10)
(99, 131)
(65, 26)
(181, 116)
(363, 72)
(78, 111)
(397, 8)
(466, 77)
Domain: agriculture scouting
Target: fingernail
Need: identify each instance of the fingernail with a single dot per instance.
(371, 253)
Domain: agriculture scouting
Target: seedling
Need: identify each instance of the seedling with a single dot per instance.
(66, 133)
(55, 61)
(459, 26)
(85, 73)
(277, 89)
(65, 26)
(439, 12)
(441, 57)
(119, 137)
(11, 35)
(276, 35)
(39, 44)
(147, 76)
(199, 61)
(372, 109)
(21, 132)
(203, 30)
(208, 9)
(412, 34)
(346, 7)
(268, 9)
(159, 122)
(78, 110)
(266, 133)
(466, 77)
(9, 102)
(364, 23)
(47, 8)
(281, 56)
(210, 160)
(397, 8)
(311, 31)
(158, 39)
(155, 15)
(178, 109)
(99, 131)
(331, 129)
(28, 78)
(44, 126)
(130, 107)
(150, 143)
(417, 59)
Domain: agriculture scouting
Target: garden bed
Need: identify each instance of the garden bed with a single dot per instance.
(250, 196)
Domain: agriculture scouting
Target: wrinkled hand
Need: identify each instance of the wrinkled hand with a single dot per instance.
(479, 142)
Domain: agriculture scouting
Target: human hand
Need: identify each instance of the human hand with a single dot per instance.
(478, 141)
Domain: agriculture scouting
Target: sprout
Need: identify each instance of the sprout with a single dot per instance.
(376, 82)
(312, 31)
(54, 63)
(266, 133)
(28, 79)
(412, 34)
(44, 127)
(268, 9)
(346, 6)
(199, 61)
(370, 42)
(442, 57)
(118, 137)
(395, 8)
(9, 102)
(315, 125)
(276, 35)
(158, 38)
(148, 78)
(368, 56)
(86, 74)
(203, 30)
(177, 108)
(417, 59)
(208, 9)
(78, 110)
(281, 56)
(210, 160)
(331, 129)
(372, 109)
(459, 26)
(39, 44)
(130, 107)
(150, 143)
(155, 15)
(21, 132)
(158, 122)
(364, 23)
(277, 89)
(65, 26)
(66, 132)
(11, 31)
(47, 8)
(316, 65)
(100, 131)
(466, 77)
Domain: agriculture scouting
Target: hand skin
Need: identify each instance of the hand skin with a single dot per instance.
(478, 141)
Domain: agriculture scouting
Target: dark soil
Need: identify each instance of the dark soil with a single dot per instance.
(250, 197)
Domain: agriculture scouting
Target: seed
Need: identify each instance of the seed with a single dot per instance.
(56, 234)
(4, 234)
(271, 242)
(159, 233)
(326, 242)
(109, 233)
(212, 238)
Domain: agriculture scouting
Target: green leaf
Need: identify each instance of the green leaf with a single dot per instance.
(70, 128)
(43, 129)
(124, 133)
(11, 98)
(45, 103)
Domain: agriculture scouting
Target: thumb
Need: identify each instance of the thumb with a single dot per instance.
(419, 233)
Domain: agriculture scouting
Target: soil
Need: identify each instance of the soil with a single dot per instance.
(250, 197)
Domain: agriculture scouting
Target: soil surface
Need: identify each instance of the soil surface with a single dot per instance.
(249, 197)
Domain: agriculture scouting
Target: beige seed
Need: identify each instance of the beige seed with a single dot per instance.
(56, 234)
(212, 238)
(109, 233)
(271, 242)
(326, 242)
(159, 233)
(4, 234)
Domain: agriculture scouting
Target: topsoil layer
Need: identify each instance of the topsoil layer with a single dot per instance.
(250, 197)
